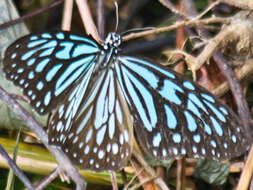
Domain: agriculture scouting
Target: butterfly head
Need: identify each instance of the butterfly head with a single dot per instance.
(112, 40)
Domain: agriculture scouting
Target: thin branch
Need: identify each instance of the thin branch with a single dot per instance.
(29, 15)
(240, 73)
(236, 89)
(127, 186)
(180, 174)
(101, 18)
(231, 32)
(64, 162)
(210, 7)
(178, 24)
(67, 15)
(47, 180)
(246, 173)
(234, 84)
(87, 19)
(151, 172)
(172, 8)
(244, 4)
(114, 180)
(16, 170)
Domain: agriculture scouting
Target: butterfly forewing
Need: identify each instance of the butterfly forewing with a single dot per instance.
(175, 117)
(46, 65)
(100, 135)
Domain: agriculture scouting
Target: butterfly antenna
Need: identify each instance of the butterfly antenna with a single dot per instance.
(117, 15)
(137, 30)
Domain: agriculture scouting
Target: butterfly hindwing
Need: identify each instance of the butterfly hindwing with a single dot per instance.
(100, 134)
(46, 65)
(174, 117)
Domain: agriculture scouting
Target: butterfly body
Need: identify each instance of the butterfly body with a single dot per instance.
(101, 99)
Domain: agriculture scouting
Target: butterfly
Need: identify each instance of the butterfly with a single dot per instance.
(101, 100)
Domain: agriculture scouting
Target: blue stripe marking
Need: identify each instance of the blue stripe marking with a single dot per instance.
(35, 43)
(118, 112)
(101, 105)
(47, 98)
(49, 44)
(196, 138)
(126, 59)
(234, 138)
(31, 75)
(68, 113)
(82, 49)
(61, 110)
(168, 91)
(111, 98)
(71, 71)
(84, 39)
(39, 85)
(30, 92)
(51, 73)
(73, 93)
(84, 122)
(89, 135)
(95, 90)
(119, 78)
(191, 106)
(224, 110)
(20, 70)
(33, 37)
(14, 65)
(100, 135)
(41, 65)
(147, 97)
(188, 85)
(46, 35)
(197, 101)
(68, 123)
(13, 55)
(176, 137)
(171, 117)
(157, 140)
(207, 129)
(60, 36)
(28, 54)
(65, 52)
(72, 68)
(216, 111)
(105, 111)
(148, 75)
(82, 88)
(111, 124)
(38, 104)
(191, 123)
(217, 126)
(30, 62)
(213, 143)
(47, 52)
(208, 97)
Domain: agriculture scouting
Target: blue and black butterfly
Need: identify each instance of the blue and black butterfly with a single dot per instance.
(101, 100)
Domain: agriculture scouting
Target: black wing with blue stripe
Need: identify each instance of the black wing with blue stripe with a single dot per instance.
(47, 65)
(174, 117)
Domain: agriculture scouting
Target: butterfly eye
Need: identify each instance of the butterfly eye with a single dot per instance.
(101, 99)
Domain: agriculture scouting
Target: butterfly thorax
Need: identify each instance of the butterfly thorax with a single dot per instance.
(109, 51)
